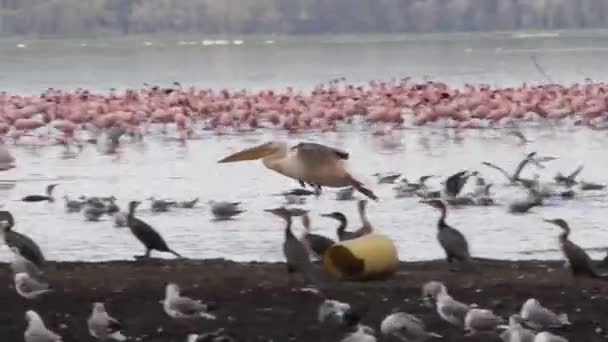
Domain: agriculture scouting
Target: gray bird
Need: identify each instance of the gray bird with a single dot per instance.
(520, 167)
(93, 213)
(570, 179)
(452, 241)
(179, 307)
(362, 333)
(295, 252)
(387, 178)
(102, 326)
(516, 332)
(539, 318)
(481, 320)
(406, 327)
(159, 205)
(120, 219)
(345, 194)
(225, 210)
(187, 204)
(294, 200)
(36, 331)
(451, 310)
(28, 287)
(333, 312)
(73, 206)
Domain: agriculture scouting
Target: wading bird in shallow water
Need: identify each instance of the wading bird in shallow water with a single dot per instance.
(310, 163)
(39, 198)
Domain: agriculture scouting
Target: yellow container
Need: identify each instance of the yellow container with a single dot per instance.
(371, 256)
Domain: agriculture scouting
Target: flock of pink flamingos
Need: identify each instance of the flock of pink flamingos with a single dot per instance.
(387, 105)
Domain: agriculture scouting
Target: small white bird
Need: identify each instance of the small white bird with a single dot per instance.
(36, 331)
(431, 289)
(120, 219)
(293, 199)
(405, 327)
(450, 310)
(179, 307)
(225, 210)
(362, 334)
(102, 326)
(345, 194)
(548, 337)
(539, 318)
(516, 332)
(480, 320)
(28, 287)
(332, 311)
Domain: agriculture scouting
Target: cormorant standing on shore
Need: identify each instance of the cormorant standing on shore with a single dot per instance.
(579, 261)
(28, 248)
(149, 237)
(451, 240)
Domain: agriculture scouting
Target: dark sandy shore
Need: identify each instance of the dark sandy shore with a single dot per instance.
(254, 302)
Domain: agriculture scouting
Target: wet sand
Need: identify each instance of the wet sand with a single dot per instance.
(255, 303)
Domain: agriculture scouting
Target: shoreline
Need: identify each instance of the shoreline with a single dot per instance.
(255, 302)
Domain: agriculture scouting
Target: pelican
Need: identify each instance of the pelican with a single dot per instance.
(305, 162)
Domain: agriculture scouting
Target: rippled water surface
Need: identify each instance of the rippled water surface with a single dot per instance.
(259, 62)
(166, 169)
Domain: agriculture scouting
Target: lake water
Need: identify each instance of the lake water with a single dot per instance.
(166, 169)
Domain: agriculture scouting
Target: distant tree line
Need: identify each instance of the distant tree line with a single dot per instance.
(69, 17)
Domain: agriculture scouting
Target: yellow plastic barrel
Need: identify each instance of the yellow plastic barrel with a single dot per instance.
(372, 256)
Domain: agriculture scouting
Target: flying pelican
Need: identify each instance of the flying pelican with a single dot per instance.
(305, 162)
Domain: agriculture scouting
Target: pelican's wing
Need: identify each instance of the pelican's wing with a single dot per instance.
(316, 154)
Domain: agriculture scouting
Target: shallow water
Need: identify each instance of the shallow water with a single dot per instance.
(261, 62)
(167, 169)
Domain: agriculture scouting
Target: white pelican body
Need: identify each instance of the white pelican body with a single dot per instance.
(306, 162)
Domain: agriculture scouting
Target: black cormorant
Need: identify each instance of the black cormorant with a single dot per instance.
(149, 237)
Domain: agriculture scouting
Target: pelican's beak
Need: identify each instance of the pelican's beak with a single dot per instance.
(253, 153)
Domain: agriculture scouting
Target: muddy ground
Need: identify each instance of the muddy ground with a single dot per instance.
(255, 302)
